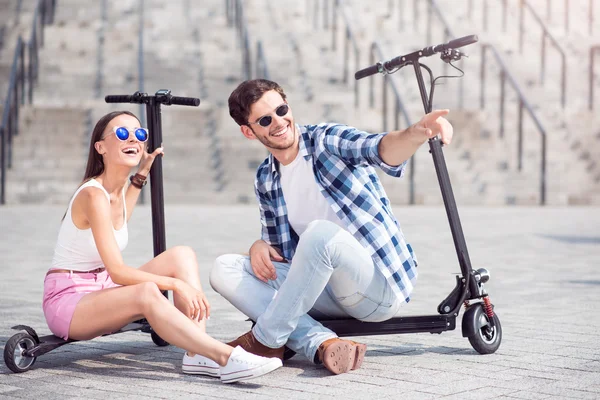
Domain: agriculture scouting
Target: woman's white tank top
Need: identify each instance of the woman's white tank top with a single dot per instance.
(75, 248)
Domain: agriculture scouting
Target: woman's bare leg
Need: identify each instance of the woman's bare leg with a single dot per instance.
(177, 262)
(116, 307)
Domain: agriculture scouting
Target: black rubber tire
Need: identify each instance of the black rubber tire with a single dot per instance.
(486, 341)
(16, 345)
(288, 353)
(160, 342)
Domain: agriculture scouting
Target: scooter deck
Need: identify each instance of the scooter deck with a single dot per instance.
(397, 325)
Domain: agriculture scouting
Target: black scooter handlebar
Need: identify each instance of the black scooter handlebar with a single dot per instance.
(426, 52)
(141, 98)
(453, 44)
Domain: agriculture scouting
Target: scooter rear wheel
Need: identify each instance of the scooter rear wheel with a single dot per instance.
(14, 358)
(158, 340)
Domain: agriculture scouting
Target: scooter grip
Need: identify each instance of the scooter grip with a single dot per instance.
(124, 98)
(363, 73)
(185, 101)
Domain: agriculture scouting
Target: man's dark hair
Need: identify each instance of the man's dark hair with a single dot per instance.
(248, 93)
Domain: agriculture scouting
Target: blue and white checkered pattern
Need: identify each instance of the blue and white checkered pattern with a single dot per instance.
(343, 158)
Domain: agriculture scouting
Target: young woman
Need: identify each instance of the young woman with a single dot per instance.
(89, 290)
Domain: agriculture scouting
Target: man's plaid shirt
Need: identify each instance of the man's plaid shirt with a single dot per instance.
(343, 159)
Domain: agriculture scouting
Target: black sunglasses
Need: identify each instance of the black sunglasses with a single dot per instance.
(267, 119)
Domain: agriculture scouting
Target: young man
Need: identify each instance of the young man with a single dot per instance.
(330, 245)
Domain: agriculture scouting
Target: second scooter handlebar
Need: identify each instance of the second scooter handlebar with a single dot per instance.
(386, 66)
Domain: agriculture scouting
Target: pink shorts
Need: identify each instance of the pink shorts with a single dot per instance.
(62, 292)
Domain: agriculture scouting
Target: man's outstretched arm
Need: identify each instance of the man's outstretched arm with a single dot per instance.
(389, 150)
(398, 146)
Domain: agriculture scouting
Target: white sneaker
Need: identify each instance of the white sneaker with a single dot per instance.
(243, 365)
(200, 365)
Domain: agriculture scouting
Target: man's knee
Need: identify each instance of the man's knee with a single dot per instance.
(220, 274)
(319, 233)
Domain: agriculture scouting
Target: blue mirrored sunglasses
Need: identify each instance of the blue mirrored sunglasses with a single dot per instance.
(122, 133)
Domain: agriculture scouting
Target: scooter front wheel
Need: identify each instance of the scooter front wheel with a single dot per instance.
(484, 337)
(14, 350)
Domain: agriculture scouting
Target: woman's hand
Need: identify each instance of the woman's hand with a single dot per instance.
(148, 159)
(198, 307)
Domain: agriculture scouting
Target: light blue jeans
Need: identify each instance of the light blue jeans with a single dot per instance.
(331, 276)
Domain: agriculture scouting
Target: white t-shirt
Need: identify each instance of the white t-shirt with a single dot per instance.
(303, 198)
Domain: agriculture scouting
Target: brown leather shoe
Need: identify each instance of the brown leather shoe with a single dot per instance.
(249, 343)
(340, 356)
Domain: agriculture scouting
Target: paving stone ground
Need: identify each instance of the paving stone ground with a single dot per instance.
(545, 268)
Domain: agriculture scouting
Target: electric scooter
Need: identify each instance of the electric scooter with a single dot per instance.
(480, 324)
(23, 348)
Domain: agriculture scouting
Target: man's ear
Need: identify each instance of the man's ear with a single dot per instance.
(247, 132)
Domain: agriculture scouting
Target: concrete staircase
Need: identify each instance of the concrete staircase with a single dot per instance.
(192, 50)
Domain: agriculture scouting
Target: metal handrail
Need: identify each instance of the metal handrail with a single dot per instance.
(141, 76)
(590, 14)
(523, 104)
(593, 50)
(9, 126)
(261, 69)
(434, 9)
(16, 92)
(546, 34)
(237, 18)
(350, 37)
(100, 49)
(400, 108)
(485, 13)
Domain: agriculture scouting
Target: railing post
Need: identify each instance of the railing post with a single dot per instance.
(543, 66)
(22, 74)
(461, 94)
(504, 15)
(384, 101)
(591, 17)
(415, 14)
(41, 19)
(334, 24)
(357, 63)
(429, 22)
(470, 9)
(563, 82)
(2, 165)
(543, 172)
(371, 80)
(521, 24)
(482, 78)
(502, 97)
(567, 16)
(591, 77)
(520, 138)
(401, 15)
(485, 15)
(30, 72)
(9, 129)
(548, 10)
(346, 54)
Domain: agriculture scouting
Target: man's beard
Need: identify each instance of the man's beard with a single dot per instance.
(269, 144)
